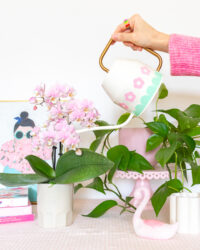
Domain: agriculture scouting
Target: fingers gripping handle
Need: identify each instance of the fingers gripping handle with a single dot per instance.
(108, 46)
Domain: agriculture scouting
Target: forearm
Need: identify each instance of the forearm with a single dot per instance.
(160, 41)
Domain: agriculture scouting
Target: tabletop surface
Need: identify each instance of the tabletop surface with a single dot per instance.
(109, 232)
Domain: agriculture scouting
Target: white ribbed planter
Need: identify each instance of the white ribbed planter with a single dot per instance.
(185, 209)
(55, 205)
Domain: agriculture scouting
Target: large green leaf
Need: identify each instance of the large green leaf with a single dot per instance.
(73, 168)
(95, 144)
(40, 167)
(13, 180)
(102, 208)
(195, 174)
(138, 163)
(164, 154)
(182, 140)
(97, 184)
(158, 128)
(123, 118)
(101, 133)
(193, 131)
(160, 195)
(113, 169)
(120, 155)
(153, 142)
(184, 155)
(189, 142)
(164, 120)
(184, 121)
(128, 199)
(193, 111)
(162, 92)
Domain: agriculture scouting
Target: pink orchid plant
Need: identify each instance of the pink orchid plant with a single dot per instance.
(65, 114)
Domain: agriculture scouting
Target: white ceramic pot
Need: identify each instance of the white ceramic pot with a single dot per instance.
(55, 205)
(185, 209)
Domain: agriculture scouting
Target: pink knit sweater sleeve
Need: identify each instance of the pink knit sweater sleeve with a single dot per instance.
(184, 54)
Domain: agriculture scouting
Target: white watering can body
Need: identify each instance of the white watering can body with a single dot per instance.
(130, 84)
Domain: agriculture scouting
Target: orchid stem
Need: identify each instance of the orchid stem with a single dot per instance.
(54, 157)
(60, 149)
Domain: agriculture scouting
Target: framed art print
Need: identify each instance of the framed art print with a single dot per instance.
(17, 121)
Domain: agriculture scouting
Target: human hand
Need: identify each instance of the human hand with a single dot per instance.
(141, 35)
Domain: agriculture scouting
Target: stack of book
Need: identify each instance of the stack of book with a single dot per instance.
(15, 205)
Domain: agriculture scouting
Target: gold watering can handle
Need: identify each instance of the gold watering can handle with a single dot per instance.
(108, 46)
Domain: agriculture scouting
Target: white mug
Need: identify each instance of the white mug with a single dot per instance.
(185, 209)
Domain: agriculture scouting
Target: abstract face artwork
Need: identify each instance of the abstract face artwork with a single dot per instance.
(16, 140)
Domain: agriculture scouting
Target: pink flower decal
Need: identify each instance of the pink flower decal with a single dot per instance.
(123, 105)
(138, 83)
(145, 70)
(130, 96)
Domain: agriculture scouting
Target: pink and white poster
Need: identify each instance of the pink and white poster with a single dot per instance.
(17, 121)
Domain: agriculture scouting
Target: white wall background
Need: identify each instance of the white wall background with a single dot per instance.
(60, 41)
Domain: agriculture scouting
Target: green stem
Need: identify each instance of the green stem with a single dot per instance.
(117, 189)
(141, 119)
(174, 189)
(182, 175)
(104, 145)
(126, 209)
(175, 165)
(157, 109)
(187, 189)
(185, 169)
(169, 170)
(118, 195)
(107, 139)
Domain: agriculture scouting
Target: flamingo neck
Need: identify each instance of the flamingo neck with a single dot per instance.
(143, 203)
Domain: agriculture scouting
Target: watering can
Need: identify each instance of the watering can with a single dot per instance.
(130, 84)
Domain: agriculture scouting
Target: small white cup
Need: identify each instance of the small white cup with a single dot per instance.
(185, 209)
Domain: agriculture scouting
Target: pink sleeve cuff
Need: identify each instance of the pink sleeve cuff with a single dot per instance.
(184, 55)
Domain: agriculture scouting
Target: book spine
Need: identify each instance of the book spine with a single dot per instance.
(14, 202)
(15, 211)
(20, 218)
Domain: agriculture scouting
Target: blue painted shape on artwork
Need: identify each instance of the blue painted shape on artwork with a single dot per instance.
(32, 189)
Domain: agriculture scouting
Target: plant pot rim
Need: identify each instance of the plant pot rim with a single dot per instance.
(194, 195)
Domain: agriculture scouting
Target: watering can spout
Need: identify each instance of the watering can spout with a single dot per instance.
(106, 127)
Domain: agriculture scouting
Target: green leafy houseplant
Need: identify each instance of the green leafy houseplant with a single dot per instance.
(124, 160)
(177, 145)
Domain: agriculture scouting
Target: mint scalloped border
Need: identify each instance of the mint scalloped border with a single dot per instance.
(150, 93)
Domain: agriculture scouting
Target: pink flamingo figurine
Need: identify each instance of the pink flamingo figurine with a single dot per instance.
(150, 229)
